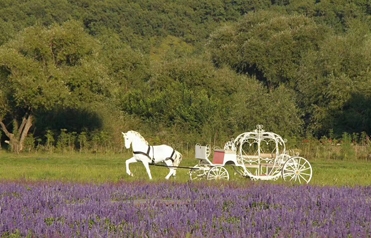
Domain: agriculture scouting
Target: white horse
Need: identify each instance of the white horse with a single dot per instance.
(148, 154)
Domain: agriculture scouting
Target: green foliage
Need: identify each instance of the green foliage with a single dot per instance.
(211, 103)
(29, 144)
(49, 140)
(7, 31)
(210, 69)
(100, 141)
(325, 70)
(347, 151)
(276, 110)
(63, 141)
(1, 134)
(267, 44)
(125, 66)
(82, 141)
(170, 48)
(50, 67)
(334, 83)
(337, 14)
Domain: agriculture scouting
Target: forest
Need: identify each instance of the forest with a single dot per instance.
(74, 74)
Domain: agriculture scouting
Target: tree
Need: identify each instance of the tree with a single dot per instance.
(126, 67)
(46, 68)
(190, 93)
(333, 82)
(266, 44)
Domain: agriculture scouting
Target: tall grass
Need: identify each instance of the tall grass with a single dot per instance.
(348, 147)
(110, 168)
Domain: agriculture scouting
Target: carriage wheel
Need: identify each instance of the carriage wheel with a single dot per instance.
(197, 172)
(218, 173)
(282, 158)
(297, 169)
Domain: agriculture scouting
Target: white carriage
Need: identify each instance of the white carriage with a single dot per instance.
(258, 155)
(214, 170)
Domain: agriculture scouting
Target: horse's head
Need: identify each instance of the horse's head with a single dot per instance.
(127, 140)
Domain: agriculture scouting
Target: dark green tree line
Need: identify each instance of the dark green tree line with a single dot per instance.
(209, 68)
(324, 70)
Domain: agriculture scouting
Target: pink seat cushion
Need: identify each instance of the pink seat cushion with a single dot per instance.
(218, 157)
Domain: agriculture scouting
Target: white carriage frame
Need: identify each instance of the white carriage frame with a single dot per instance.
(214, 170)
(258, 165)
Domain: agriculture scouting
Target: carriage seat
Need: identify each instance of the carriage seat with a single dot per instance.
(220, 156)
(202, 153)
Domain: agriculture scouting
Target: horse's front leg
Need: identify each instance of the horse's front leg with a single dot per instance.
(146, 165)
(172, 170)
(129, 161)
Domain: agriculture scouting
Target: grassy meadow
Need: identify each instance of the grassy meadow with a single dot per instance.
(110, 168)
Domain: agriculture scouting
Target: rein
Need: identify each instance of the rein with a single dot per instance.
(178, 167)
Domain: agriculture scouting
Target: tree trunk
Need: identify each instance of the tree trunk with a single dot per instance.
(16, 141)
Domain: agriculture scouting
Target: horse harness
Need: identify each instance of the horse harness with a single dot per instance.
(153, 154)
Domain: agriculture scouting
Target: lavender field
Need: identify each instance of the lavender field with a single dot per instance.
(139, 209)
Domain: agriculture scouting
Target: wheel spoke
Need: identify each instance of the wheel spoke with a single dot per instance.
(292, 166)
(304, 165)
(297, 169)
(292, 178)
(298, 178)
(217, 173)
(197, 172)
(305, 174)
(306, 180)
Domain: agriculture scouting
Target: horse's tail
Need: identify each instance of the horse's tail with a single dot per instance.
(178, 158)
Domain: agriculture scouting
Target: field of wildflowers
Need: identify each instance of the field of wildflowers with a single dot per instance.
(170, 209)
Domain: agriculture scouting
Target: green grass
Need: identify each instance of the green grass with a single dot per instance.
(105, 168)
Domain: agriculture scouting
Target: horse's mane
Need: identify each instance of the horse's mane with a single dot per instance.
(138, 135)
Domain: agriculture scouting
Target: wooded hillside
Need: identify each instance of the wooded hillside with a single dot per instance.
(74, 74)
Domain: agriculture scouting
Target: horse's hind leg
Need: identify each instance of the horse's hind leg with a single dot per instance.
(129, 161)
(177, 160)
(172, 170)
